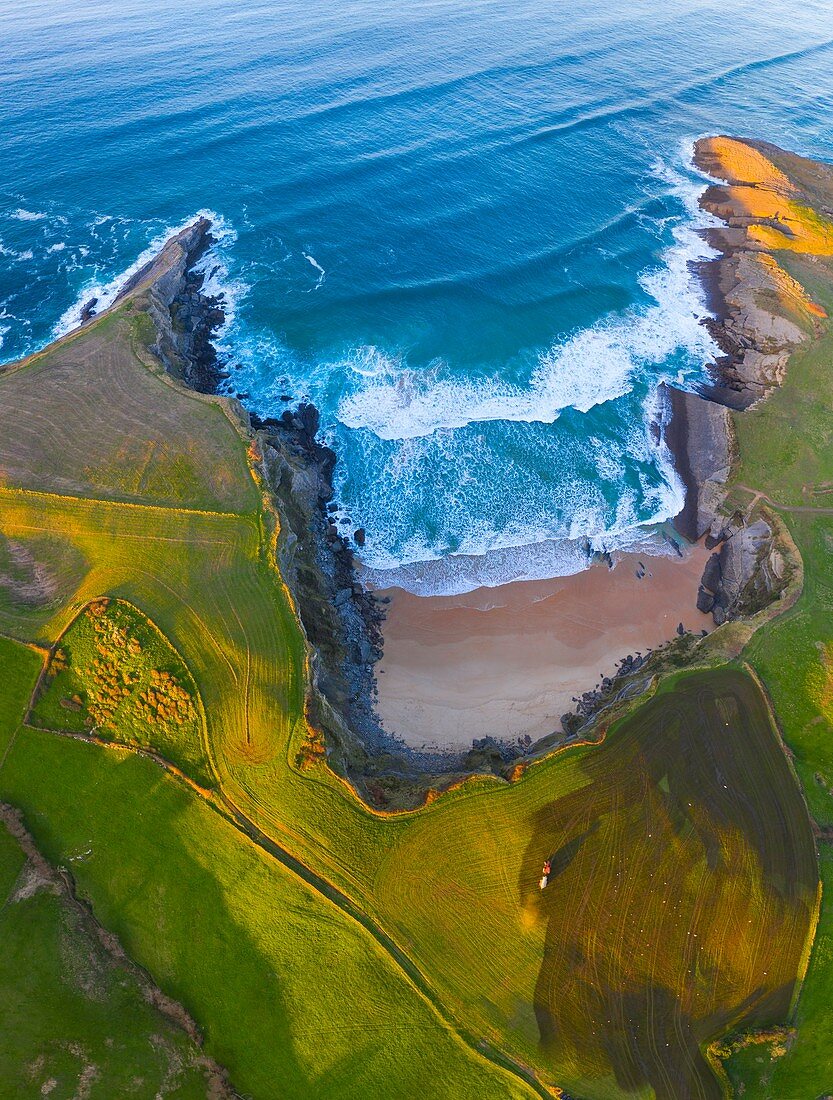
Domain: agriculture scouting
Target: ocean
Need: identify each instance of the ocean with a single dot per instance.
(463, 229)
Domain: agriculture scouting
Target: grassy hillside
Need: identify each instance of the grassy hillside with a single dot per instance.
(325, 949)
(72, 1017)
(296, 999)
(115, 677)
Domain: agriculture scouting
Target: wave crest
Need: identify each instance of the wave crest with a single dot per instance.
(589, 368)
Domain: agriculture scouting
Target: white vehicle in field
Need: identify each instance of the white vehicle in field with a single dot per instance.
(545, 875)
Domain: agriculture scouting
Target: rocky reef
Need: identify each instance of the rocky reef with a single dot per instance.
(186, 319)
(761, 313)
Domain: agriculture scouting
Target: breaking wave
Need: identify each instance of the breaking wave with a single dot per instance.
(589, 368)
(105, 290)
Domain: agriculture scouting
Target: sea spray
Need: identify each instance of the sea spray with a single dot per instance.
(218, 282)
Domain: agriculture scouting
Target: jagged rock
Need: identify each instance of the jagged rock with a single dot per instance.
(705, 600)
(185, 319)
(712, 574)
(739, 558)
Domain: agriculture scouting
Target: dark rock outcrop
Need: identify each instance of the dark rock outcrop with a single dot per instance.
(184, 317)
(746, 574)
(699, 435)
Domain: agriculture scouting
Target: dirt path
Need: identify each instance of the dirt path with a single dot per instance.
(793, 509)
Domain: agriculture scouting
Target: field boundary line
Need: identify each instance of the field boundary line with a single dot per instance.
(172, 509)
(809, 943)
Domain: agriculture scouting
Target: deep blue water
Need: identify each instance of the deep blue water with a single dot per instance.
(462, 228)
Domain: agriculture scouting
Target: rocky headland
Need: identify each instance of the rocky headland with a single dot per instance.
(768, 203)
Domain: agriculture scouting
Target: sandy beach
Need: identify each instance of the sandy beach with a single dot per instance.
(507, 661)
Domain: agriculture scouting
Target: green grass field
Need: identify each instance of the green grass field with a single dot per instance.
(295, 998)
(328, 950)
(71, 1017)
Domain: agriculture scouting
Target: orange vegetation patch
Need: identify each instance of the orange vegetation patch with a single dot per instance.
(739, 163)
(759, 190)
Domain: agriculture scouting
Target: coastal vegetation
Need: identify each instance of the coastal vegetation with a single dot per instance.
(157, 720)
(113, 674)
(80, 1016)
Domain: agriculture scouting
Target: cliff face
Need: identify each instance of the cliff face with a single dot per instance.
(701, 437)
(762, 314)
(772, 203)
(184, 317)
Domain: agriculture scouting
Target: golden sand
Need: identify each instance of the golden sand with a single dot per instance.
(507, 661)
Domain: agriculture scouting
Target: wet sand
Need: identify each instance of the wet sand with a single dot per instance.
(507, 661)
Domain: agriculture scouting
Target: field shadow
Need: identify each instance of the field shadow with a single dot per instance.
(681, 890)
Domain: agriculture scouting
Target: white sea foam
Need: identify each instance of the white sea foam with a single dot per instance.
(311, 260)
(543, 537)
(59, 246)
(455, 574)
(664, 341)
(13, 254)
(590, 367)
(29, 215)
(106, 290)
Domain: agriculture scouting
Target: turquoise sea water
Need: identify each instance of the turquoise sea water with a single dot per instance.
(462, 228)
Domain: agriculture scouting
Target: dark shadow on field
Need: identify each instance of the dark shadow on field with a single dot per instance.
(653, 945)
(171, 913)
(561, 860)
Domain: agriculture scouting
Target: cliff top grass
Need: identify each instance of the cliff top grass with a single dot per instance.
(113, 675)
(79, 419)
(785, 445)
(390, 950)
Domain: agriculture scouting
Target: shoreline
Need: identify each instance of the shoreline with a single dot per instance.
(508, 663)
(414, 690)
(504, 663)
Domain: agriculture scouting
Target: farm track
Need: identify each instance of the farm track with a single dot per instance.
(790, 509)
